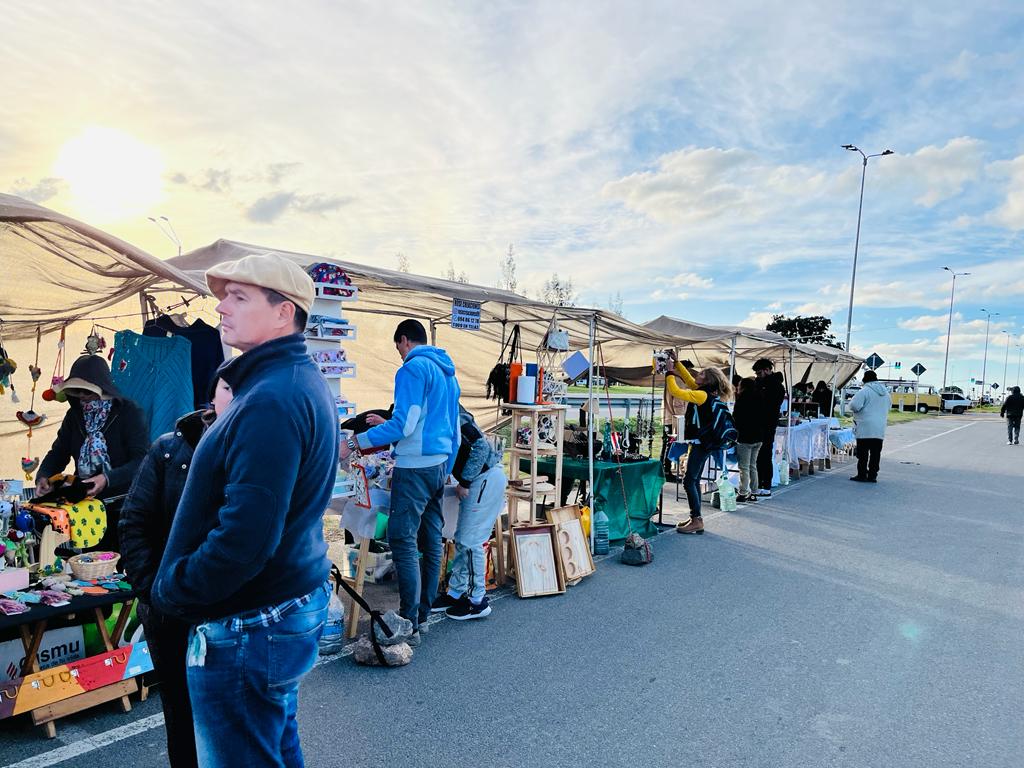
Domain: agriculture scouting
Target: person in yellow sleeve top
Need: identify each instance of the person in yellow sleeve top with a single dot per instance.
(701, 391)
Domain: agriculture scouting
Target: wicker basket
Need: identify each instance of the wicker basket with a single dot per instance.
(97, 569)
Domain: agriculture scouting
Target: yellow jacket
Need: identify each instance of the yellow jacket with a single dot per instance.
(691, 395)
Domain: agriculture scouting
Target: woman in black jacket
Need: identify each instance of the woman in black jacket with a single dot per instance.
(822, 396)
(103, 432)
(144, 527)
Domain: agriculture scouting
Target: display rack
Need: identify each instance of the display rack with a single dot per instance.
(528, 486)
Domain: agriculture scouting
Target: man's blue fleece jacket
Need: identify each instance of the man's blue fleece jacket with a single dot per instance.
(425, 423)
(248, 531)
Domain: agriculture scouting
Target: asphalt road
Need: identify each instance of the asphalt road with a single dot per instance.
(839, 624)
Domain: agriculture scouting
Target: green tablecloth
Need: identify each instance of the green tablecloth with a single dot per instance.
(643, 481)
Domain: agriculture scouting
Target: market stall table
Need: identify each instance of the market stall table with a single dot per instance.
(808, 442)
(79, 685)
(643, 481)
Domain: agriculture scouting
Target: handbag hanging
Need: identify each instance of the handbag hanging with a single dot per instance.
(499, 379)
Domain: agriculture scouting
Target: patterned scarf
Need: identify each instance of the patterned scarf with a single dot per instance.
(93, 459)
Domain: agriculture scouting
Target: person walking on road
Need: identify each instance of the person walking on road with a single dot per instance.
(749, 425)
(773, 394)
(870, 408)
(1012, 410)
(246, 562)
(425, 429)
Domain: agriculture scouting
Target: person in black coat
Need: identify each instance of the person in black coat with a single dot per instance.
(749, 420)
(103, 432)
(822, 396)
(106, 436)
(773, 393)
(1012, 410)
(144, 527)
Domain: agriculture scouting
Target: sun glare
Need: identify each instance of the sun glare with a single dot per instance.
(111, 175)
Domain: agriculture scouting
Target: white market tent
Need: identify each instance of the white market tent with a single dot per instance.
(57, 270)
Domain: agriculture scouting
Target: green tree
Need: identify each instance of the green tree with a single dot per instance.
(559, 292)
(508, 270)
(813, 329)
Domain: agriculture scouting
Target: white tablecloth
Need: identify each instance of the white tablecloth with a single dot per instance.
(807, 441)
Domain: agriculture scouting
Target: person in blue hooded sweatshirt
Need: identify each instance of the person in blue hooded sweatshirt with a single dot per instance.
(426, 433)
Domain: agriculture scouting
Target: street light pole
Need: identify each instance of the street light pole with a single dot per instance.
(167, 230)
(949, 326)
(856, 242)
(984, 362)
(1006, 360)
(1020, 351)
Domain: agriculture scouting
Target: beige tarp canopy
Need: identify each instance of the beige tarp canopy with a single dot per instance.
(740, 347)
(57, 269)
(387, 296)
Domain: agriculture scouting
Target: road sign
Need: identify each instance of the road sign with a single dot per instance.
(918, 369)
(897, 365)
(995, 386)
(874, 361)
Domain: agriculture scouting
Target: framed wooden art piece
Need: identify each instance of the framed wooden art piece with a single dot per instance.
(537, 571)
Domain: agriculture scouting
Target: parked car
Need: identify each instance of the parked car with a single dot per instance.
(952, 402)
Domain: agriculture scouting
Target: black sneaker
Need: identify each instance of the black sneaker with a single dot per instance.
(463, 610)
(443, 603)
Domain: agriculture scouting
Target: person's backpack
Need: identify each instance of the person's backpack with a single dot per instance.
(716, 429)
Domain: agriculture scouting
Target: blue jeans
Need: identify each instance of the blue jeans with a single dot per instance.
(696, 458)
(245, 696)
(414, 527)
(477, 513)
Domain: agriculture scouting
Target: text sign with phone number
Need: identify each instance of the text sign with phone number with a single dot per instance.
(465, 315)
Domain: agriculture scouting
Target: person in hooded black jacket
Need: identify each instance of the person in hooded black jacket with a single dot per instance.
(94, 400)
(104, 433)
(144, 527)
(773, 393)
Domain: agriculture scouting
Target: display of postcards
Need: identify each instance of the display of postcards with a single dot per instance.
(325, 326)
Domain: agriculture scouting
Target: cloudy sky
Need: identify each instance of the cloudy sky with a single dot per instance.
(686, 155)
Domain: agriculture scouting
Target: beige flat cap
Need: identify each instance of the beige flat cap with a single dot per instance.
(266, 270)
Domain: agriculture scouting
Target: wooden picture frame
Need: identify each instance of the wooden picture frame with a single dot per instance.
(571, 544)
(537, 570)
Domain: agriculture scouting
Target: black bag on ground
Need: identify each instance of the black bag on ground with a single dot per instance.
(637, 550)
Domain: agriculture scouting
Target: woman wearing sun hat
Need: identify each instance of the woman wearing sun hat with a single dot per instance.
(103, 432)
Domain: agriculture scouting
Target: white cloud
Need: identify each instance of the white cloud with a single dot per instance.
(933, 173)
(928, 322)
(1011, 213)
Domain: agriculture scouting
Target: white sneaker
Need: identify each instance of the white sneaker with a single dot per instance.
(763, 492)
(1009, 442)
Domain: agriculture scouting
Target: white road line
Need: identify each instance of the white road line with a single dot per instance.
(79, 748)
(925, 440)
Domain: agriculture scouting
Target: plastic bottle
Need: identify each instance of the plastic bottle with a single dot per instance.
(600, 533)
(333, 637)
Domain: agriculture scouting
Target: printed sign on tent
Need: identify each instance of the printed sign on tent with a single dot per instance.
(465, 315)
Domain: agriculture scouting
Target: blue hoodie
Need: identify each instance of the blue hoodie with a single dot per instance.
(425, 424)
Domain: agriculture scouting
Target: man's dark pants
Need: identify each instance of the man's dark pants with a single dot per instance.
(869, 452)
(766, 459)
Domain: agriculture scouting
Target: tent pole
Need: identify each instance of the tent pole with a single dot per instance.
(789, 414)
(732, 360)
(590, 430)
(145, 308)
(433, 334)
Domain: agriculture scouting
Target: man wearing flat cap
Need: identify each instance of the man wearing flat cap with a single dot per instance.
(246, 562)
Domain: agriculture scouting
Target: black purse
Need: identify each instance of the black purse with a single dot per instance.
(499, 379)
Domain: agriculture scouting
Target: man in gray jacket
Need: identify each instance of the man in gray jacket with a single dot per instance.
(871, 408)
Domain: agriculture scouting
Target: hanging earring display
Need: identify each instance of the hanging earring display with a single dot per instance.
(95, 343)
(30, 418)
(7, 369)
(57, 380)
